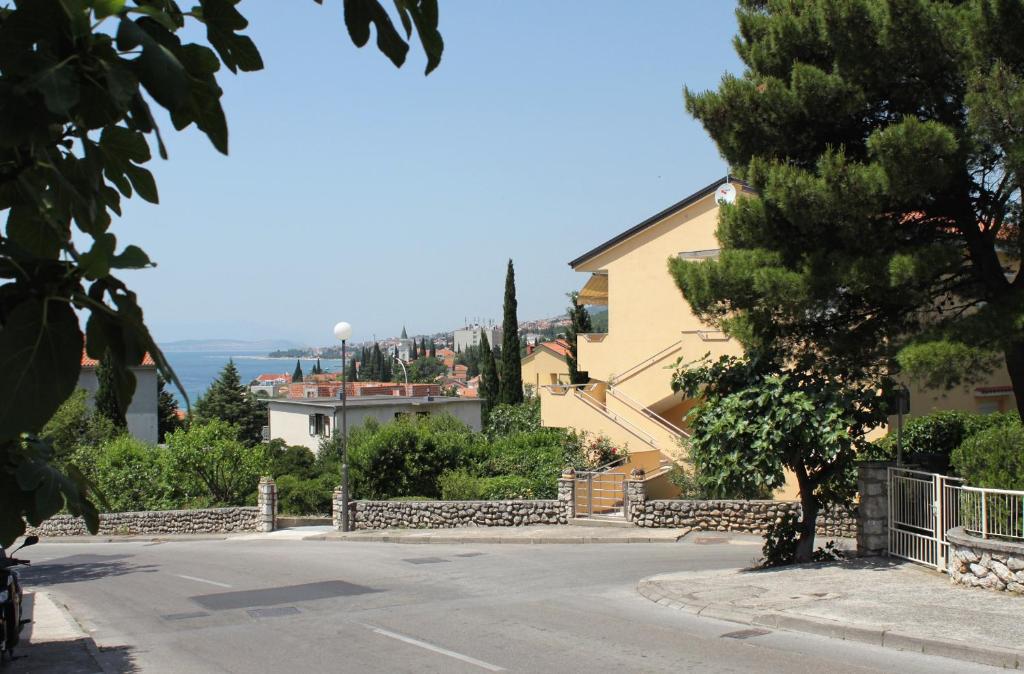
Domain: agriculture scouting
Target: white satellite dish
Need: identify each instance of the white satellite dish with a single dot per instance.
(725, 194)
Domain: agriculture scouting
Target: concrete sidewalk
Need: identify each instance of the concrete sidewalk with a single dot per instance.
(874, 600)
(53, 641)
(538, 534)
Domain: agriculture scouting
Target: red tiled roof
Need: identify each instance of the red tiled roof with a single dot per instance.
(559, 346)
(274, 377)
(147, 360)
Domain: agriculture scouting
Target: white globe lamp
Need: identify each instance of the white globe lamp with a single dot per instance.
(342, 330)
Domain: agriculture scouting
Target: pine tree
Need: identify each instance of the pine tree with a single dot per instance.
(489, 389)
(579, 324)
(107, 402)
(511, 359)
(405, 335)
(884, 142)
(297, 375)
(228, 400)
(167, 410)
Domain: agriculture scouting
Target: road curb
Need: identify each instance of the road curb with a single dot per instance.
(836, 629)
(468, 540)
(143, 538)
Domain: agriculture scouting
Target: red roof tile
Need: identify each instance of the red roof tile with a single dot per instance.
(147, 360)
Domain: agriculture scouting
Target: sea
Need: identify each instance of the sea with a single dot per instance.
(197, 369)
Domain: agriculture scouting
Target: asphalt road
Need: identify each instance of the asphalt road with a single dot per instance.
(282, 606)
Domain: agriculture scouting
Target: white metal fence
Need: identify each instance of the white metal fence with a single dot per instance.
(924, 506)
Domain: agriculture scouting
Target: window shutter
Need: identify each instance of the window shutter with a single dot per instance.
(312, 424)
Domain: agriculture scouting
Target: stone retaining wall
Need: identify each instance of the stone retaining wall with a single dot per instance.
(207, 521)
(729, 515)
(987, 563)
(449, 514)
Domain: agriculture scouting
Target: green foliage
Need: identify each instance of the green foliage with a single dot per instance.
(460, 485)
(108, 402)
(166, 410)
(759, 418)
(228, 401)
(510, 388)
(210, 460)
(406, 457)
(426, 369)
(488, 391)
(511, 419)
(297, 373)
(311, 496)
(471, 359)
(74, 425)
(884, 143)
(579, 324)
(929, 440)
(781, 539)
(130, 474)
(993, 458)
(294, 460)
(77, 82)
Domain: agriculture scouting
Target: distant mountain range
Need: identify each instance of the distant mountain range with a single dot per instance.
(228, 345)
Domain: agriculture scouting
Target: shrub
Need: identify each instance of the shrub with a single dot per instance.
(506, 419)
(460, 485)
(130, 474)
(508, 487)
(298, 496)
(993, 458)
(294, 460)
(929, 440)
(406, 457)
(211, 466)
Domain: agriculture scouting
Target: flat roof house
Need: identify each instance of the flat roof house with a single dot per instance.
(141, 414)
(308, 421)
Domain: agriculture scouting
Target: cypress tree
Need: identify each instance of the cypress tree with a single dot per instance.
(423, 347)
(511, 360)
(579, 323)
(227, 399)
(489, 385)
(413, 355)
(167, 410)
(352, 372)
(377, 359)
(319, 370)
(297, 375)
(433, 349)
(385, 368)
(107, 401)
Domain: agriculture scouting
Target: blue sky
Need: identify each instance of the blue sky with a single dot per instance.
(356, 191)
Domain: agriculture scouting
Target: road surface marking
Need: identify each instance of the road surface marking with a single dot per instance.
(202, 580)
(437, 649)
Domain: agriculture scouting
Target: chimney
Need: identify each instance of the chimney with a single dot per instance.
(530, 348)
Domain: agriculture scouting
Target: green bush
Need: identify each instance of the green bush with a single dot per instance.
(406, 457)
(993, 458)
(130, 474)
(460, 485)
(211, 466)
(508, 487)
(294, 460)
(930, 440)
(506, 419)
(298, 496)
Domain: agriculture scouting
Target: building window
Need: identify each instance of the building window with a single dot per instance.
(319, 425)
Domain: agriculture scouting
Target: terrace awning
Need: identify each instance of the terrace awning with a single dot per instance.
(595, 291)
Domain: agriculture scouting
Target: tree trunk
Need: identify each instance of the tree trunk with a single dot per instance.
(1015, 366)
(809, 507)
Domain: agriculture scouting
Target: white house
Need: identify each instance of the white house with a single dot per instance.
(307, 421)
(142, 411)
(470, 336)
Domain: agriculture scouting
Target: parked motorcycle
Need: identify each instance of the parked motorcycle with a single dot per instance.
(11, 620)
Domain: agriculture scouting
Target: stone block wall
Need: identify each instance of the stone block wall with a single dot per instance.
(206, 521)
(873, 511)
(987, 563)
(449, 514)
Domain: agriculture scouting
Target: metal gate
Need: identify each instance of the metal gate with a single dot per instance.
(922, 508)
(601, 492)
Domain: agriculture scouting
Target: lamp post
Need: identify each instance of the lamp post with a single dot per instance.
(405, 373)
(343, 331)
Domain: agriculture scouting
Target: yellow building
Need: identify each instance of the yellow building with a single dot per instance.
(545, 364)
(651, 328)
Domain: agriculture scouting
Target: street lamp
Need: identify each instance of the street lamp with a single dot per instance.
(343, 331)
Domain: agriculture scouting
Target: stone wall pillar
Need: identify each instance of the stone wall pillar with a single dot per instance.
(873, 513)
(567, 496)
(336, 508)
(267, 504)
(636, 495)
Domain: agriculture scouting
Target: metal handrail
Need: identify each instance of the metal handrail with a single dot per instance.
(628, 425)
(648, 412)
(603, 468)
(644, 364)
